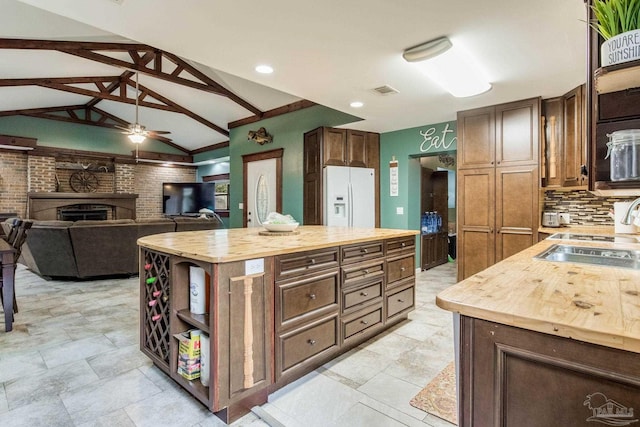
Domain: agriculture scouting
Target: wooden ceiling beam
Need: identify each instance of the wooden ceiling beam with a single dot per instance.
(59, 80)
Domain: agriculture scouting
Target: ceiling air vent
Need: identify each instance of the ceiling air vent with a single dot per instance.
(117, 1)
(385, 90)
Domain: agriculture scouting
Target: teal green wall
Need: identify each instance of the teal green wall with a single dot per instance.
(213, 154)
(51, 133)
(287, 131)
(407, 146)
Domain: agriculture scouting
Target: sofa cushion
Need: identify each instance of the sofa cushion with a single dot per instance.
(196, 223)
(48, 250)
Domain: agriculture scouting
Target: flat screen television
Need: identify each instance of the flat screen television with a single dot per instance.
(183, 198)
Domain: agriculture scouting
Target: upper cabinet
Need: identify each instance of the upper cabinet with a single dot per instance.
(564, 142)
(498, 136)
(613, 97)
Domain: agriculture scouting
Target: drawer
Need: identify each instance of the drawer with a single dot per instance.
(361, 323)
(401, 244)
(362, 252)
(400, 301)
(354, 274)
(400, 268)
(617, 105)
(302, 344)
(357, 296)
(297, 263)
(309, 295)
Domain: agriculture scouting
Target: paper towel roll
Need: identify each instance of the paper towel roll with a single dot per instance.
(620, 210)
(197, 290)
(204, 360)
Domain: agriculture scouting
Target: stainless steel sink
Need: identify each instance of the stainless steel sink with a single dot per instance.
(624, 258)
(593, 237)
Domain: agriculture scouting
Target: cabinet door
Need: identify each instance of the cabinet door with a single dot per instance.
(518, 133)
(476, 138)
(573, 142)
(334, 142)
(516, 210)
(476, 220)
(550, 166)
(312, 178)
(356, 149)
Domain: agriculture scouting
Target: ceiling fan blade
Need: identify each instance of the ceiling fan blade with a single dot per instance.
(159, 132)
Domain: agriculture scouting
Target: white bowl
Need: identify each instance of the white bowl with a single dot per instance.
(280, 227)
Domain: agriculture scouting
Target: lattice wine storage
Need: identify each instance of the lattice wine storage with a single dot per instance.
(154, 307)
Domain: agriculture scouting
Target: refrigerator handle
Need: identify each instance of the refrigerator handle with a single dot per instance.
(350, 204)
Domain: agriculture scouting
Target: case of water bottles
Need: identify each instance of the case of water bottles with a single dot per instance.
(430, 222)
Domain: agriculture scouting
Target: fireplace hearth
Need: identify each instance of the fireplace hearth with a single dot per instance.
(83, 214)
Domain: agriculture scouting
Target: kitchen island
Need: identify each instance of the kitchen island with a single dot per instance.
(279, 306)
(546, 343)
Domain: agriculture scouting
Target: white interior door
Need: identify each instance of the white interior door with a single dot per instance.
(261, 191)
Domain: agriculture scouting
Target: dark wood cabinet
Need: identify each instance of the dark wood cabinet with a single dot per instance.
(515, 377)
(564, 149)
(336, 147)
(612, 104)
(498, 203)
(435, 249)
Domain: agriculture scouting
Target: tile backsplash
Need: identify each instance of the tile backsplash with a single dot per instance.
(584, 207)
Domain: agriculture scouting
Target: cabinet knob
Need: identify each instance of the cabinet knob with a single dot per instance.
(364, 294)
(365, 272)
(364, 322)
(312, 261)
(311, 342)
(364, 250)
(402, 268)
(400, 300)
(403, 244)
(312, 296)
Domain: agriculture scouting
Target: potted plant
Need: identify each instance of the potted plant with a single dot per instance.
(618, 22)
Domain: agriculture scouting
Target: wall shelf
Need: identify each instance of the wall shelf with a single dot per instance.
(617, 77)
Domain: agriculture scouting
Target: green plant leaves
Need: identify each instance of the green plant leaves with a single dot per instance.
(614, 17)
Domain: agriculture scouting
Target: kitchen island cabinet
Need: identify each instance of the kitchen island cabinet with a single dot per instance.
(548, 343)
(279, 306)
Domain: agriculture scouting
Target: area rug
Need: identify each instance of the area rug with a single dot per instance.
(439, 396)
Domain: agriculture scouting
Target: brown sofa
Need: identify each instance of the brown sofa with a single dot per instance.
(87, 249)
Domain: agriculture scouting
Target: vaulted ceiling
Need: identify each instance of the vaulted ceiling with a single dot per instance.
(195, 59)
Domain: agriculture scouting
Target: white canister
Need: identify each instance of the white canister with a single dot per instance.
(204, 360)
(197, 290)
(620, 211)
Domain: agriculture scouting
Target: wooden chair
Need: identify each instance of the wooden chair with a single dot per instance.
(16, 238)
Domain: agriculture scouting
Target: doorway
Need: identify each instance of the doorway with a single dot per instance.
(262, 186)
(437, 195)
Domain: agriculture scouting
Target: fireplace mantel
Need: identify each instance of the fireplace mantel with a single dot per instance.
(44, 206)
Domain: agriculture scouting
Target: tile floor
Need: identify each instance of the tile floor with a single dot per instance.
(73, 360)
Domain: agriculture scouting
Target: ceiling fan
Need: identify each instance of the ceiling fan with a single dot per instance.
(136, 132)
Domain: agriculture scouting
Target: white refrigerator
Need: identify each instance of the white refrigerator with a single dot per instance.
(349, 196)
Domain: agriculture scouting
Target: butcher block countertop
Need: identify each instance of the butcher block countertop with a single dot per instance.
(596, 304)
(237, 244)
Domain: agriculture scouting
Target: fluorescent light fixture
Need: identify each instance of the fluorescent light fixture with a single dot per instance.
(450, 66)
(264, 69)
(136, 138)
(356, 104)
(16, 147)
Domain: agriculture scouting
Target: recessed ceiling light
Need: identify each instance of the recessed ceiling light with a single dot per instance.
(264, 69)
(356, 104)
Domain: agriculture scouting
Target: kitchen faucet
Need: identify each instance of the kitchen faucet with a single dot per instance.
(627, 217)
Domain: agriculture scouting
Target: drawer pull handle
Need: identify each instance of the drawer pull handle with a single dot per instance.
(312, 296)
(312, 261)
(400, 300)
(364, 294)
(365, 271)
(364, 250)
(402, 268)
(364, 322)
(403, 244)
(311, 342)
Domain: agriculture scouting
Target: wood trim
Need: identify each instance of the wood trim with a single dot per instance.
(218, 177)
(289, 108)
(265, 155)
(210, 148)
(18, 141)
(151, 155)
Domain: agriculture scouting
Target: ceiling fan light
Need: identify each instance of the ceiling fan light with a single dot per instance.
(136, 138)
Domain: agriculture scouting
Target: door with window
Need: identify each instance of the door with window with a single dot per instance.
(262, 186)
